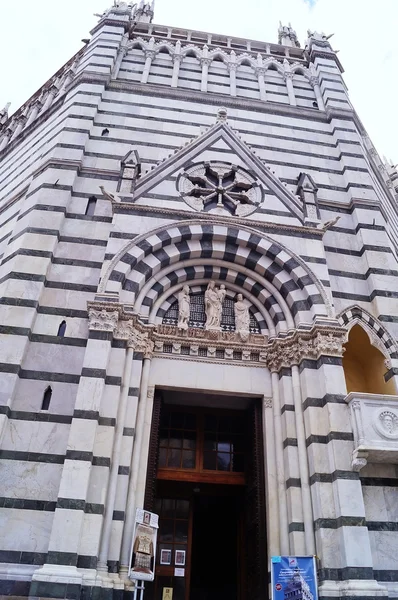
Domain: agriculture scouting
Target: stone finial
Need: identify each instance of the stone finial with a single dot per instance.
(318, 39)
(222, 115)
(4, 113)
(144, 12)
(287, 36)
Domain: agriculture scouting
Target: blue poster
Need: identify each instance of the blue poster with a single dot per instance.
(293, 577)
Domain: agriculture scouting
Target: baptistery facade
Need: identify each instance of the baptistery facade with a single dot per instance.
(198, 320)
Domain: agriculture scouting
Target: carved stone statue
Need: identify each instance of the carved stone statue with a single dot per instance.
(242, 318)
(184, 307)
(111, 197)
(214, 298)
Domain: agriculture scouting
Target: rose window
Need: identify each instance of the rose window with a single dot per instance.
(220, 188)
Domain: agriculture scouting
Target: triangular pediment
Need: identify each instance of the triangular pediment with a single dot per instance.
(219, 143)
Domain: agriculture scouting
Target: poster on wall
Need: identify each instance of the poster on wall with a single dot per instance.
(143, 549)
(294, 577)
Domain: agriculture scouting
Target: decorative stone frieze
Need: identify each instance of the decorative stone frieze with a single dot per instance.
(278, 353)
(136, 335)
(267, 402)
(290, 351)
(374, 419)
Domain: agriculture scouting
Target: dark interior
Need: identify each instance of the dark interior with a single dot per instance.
(214, 572)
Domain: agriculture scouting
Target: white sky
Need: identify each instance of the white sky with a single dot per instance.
(38, 37)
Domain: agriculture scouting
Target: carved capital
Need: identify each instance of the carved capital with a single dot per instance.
(150, 54)
(151, 392)
(287, 75)
(291, 351)
(260, 71)
(102, 320)
(314, 81)
(137, 339)
(232, 67)
(205, 61)
(328, 343)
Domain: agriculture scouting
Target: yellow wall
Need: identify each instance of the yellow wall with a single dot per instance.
(363, 365)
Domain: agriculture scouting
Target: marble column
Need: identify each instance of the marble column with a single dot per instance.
(51, 93)
(135, 466)
(21, 120)
(288, 77)
(303, 464)
(5, 139)
(232, 67)
(69, 77)
(176, 70)
(261, 83)
(142, 475)
(117, 447)
(121, 53)
(314, 81)
(280, 467)
(205, 62)
(34, 111)
(149, 56)
(271, 479)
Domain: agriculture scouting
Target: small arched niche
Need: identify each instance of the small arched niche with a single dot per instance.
(364, 365)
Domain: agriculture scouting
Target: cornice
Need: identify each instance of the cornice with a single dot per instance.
(150, 27)
(212, 99)
(328, 55)
(229, 221)
(126, 24)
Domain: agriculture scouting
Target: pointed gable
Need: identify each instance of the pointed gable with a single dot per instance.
(220, 143)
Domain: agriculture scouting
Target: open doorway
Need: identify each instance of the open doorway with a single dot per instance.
(215, 572)
(206, 482)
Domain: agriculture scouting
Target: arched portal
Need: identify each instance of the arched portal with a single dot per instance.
(216, 373)
(272, 275)
(364, 365)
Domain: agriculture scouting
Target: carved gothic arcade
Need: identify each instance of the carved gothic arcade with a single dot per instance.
(198, 316)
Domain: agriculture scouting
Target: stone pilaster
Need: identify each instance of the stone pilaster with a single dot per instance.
(62, 558)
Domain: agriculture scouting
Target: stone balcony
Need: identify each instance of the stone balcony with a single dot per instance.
(374, 420)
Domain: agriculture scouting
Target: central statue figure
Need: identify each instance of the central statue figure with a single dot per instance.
(214, 298)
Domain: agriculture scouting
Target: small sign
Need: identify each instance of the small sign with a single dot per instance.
(143, 548)
(180, 558)
(293, 576)
(165, 558)
(167, 594)
(179, 572)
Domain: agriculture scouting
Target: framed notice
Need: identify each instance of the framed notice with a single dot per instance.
(179, 559)
(167, 594)
(293, 577)
(143, 548)
(165, 558)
